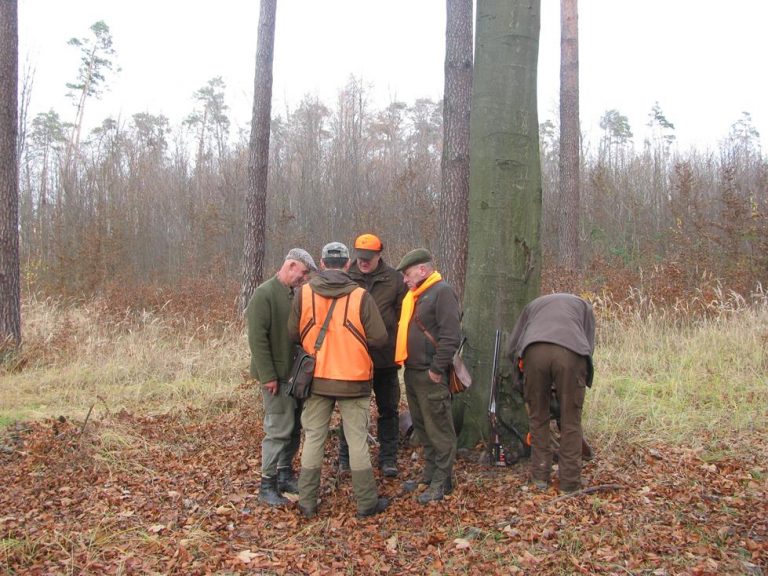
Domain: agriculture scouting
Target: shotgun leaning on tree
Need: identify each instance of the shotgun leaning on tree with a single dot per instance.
(499, 455)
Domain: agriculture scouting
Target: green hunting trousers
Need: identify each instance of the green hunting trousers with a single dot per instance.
(282, 430)
(430, 406)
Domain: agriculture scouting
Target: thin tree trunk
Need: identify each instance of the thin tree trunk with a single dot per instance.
(258, 155)
(453, 229)
(568, 248)
(504, 267)
(10, 305)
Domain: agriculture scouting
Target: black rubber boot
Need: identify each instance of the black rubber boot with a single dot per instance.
(268, 493)
(287, 481)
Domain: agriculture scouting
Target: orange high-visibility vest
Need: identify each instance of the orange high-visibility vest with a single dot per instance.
(344, 352)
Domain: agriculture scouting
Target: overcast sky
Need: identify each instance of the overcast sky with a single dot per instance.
(702, 60)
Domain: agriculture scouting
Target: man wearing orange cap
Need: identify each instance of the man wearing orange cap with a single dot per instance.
(386, 286)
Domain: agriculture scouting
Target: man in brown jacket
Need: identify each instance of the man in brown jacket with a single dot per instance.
(386, 286)
(551, 346)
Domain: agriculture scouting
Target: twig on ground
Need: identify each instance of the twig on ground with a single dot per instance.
(589, 490)
(99, 397)
(82, 428)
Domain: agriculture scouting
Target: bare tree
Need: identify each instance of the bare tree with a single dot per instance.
(258, 154)
(569, 136)
(10, 306)
(453, 220)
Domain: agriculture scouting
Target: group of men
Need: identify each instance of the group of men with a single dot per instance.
(362, 320)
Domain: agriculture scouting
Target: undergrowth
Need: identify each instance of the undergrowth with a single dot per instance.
(671, 366)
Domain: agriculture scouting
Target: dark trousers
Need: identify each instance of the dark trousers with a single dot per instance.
(548, 367)
(386, 388)
(430, 406)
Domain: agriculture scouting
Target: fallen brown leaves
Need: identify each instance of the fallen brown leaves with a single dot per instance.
(176, 495)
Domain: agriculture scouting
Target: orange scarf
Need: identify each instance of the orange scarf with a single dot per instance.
(406, 312)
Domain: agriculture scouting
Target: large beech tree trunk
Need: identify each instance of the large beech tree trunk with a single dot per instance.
(504, 266)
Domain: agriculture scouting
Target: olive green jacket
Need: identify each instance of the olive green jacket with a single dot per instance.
(268, 339)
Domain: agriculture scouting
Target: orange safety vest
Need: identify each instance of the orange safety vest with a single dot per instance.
(344, 352)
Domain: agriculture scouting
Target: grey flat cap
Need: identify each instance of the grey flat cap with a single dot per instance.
(301, 255)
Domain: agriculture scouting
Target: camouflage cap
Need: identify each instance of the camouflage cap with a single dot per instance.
(335, 250)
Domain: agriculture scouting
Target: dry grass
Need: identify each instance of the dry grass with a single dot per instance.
(75, 356)
(668, 374)
(677, 372)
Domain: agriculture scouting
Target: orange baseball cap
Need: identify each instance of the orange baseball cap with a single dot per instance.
(368, 245)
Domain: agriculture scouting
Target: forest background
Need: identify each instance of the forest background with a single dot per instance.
(146, 202)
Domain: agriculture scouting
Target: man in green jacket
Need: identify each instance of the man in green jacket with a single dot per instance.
(428, 335)
(271, 356)
(386, 286)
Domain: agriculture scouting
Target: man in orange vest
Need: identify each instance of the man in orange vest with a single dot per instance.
(428, 335)
(337, 321)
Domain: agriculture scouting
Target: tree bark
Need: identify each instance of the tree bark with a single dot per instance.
(453, 228)
(10, 305)
(258, 155)
(568, 249)
(504, 266)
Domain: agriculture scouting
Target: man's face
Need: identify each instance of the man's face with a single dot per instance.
(298, 274)
(413, 275)
(368, 265)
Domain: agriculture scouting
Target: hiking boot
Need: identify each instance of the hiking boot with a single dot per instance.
(389, 469)
(381, 505)
(433, 493)
(413, 485)
(570, 488)
(287, 481)
(268, 493)
(540, 485)
(448, 486)
(308, 511)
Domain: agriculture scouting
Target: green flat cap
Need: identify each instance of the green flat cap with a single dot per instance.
(417, 256)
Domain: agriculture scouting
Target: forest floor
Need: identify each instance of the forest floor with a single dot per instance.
(176, 494)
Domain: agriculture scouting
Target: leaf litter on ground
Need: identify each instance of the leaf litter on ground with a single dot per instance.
(177, 494)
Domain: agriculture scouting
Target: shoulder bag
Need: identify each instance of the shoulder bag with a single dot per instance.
(459, 378)
(303, 367)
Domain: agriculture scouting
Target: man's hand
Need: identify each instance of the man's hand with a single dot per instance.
(435, 377)
(272, 387)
